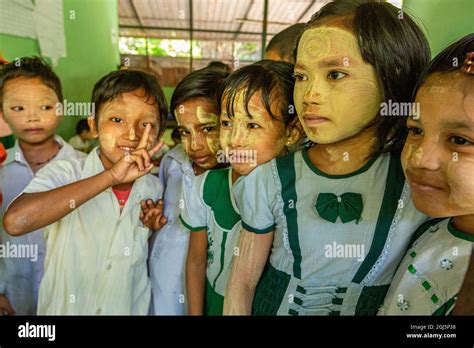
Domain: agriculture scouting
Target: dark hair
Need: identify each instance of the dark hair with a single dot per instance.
(218, 65)
(118, 82)
(203, 83)
(396, 48)
(273, 78)
(448, 60)
(284, 42)
(176, 134)
(81, 126)
(30, 67)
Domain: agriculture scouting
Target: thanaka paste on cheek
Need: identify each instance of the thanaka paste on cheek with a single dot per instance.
(417, 156)
(263, 143)
(405, 157)
(212, 138)
(107, 140)
(350, 103)
(460, 175)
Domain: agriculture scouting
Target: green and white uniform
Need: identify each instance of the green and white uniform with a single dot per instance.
(432, 272)
(319, 267)
(209, 204)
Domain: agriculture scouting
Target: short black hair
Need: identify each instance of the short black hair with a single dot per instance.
(285, 41)
(273, 78)
(396, 48)
(81, 126)
(202, 83)
(119, 82)
(30, 67)
(218, 65)
(448, 60)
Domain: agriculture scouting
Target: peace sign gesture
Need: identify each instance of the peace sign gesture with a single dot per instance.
(136, 163)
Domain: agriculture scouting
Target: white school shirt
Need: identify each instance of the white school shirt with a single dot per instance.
(210, 205)
(20, 276)
(95, 256)
(432, 272)
(170, 245)
(318, 266)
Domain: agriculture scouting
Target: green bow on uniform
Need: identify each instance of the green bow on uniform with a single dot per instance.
(348, 206)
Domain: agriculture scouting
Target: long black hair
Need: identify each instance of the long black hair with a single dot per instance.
(393, 44)
(274, 79)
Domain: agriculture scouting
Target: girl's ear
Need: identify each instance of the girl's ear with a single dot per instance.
(294, 132)
(91, 122)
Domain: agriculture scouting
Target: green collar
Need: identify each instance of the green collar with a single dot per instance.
(316, 170)
(458, 233)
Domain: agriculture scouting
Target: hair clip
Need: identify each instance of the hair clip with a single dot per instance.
(468, 65)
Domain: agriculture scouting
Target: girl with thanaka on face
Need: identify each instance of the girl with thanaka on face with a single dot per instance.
(334, 220)
(257, 123)
(96, 247)
(438, 161)
(194, 106)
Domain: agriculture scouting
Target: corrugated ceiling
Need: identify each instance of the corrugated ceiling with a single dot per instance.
(238, 20)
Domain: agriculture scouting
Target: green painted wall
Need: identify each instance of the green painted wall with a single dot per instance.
(90, 51)
(444, 21)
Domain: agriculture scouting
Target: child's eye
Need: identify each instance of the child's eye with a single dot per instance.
(457, 140)
(253, 126)
(208, 129)
(299, 77)
(17, 108)
(46, 107)
(116, 119)
(145, 123)
(415, 131)
(336, 75)
(183, 132)
(226, 124)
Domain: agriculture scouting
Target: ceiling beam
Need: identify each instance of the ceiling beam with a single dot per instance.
(247, 11)
(195, 30)
(306, 10)
(264, 27)
(190, 35)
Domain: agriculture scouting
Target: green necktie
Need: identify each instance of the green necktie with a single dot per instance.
(348, 206)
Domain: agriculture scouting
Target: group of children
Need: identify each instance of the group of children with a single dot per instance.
(373, 215)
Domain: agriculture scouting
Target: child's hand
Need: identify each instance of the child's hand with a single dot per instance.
(152, 214)
(6, 306)
(136, 163)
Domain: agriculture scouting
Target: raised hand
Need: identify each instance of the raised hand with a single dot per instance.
(136, 163)
(152, 214)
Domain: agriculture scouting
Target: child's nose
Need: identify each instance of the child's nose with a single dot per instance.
(314, 94)
(32, 116)
(131, 134)
(238, 137)
(426, 156)
(197, 142)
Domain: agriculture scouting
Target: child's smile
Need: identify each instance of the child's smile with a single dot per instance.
(251, 140)
(121, 123)
(438, 156)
